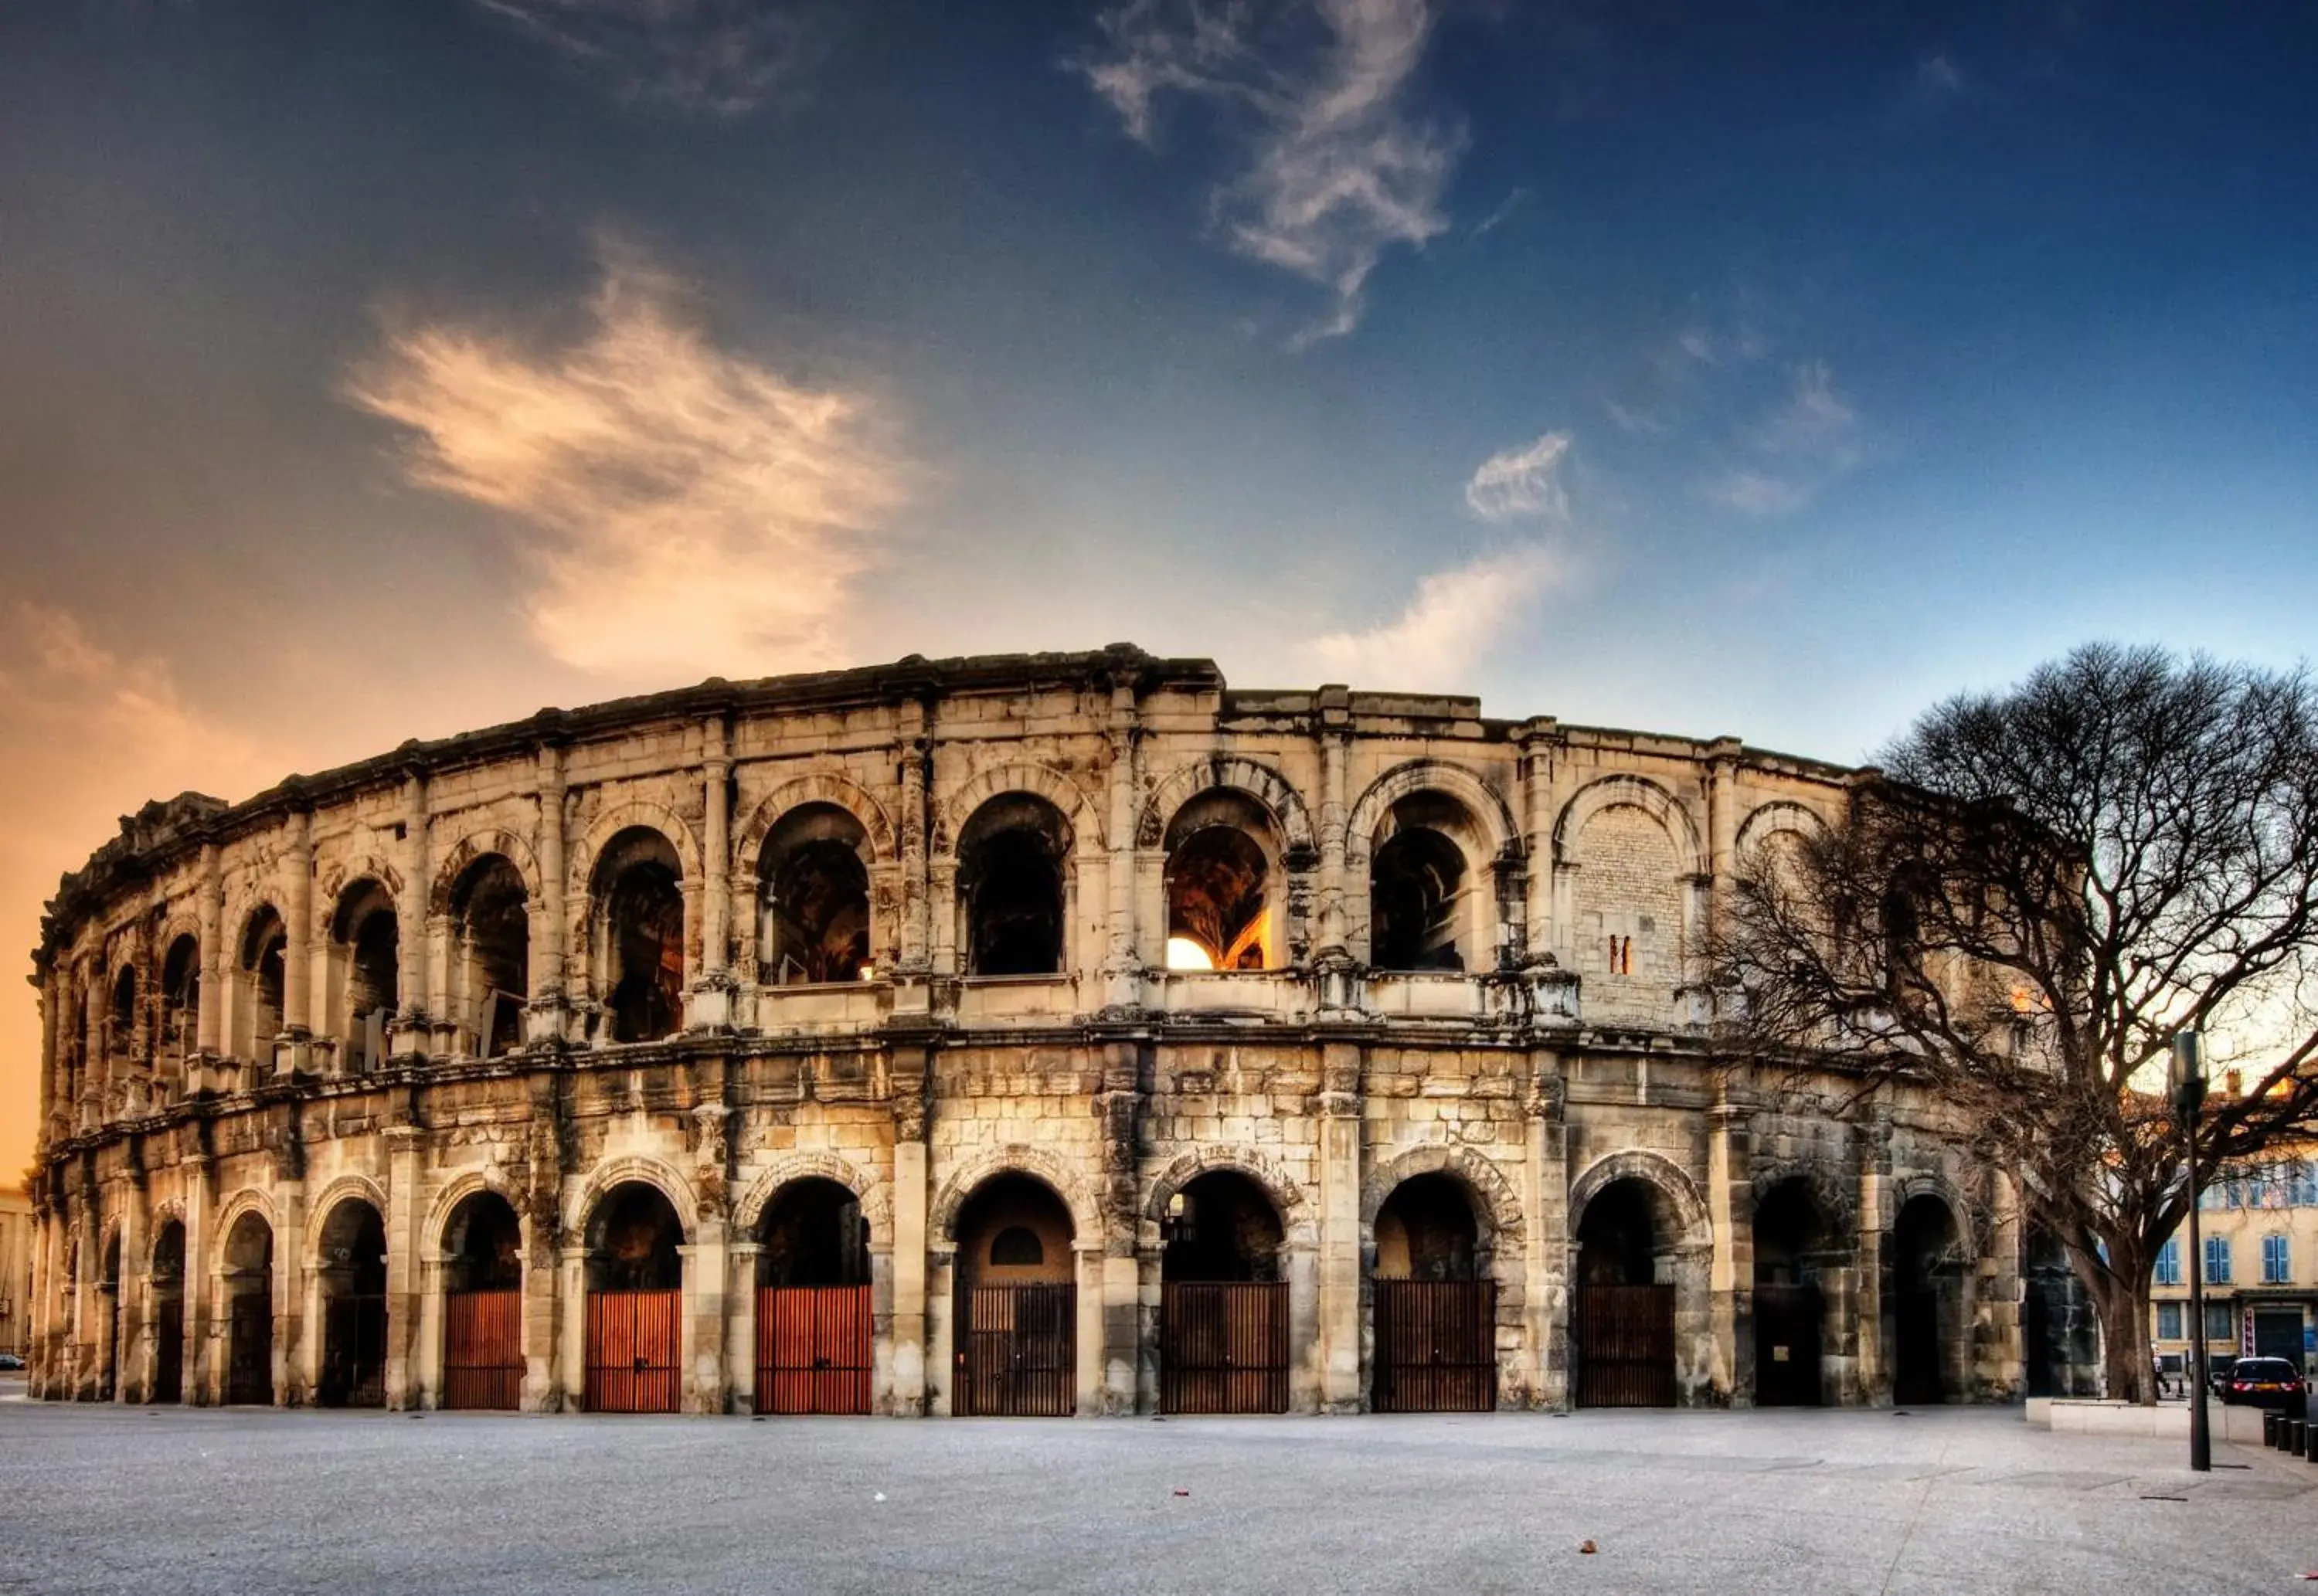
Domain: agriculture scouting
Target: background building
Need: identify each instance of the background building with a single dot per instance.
(2259, 1228)
(16, 1269)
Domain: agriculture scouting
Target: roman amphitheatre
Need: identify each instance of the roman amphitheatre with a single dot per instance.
(1040, 1035)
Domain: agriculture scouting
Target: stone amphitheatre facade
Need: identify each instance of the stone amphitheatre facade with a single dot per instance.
(1055, 1034)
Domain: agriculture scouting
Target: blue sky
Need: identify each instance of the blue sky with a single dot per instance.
(379, 370)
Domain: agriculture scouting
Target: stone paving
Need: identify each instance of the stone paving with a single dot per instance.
(248, 1501)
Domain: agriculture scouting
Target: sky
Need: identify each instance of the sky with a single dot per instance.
(383, 370)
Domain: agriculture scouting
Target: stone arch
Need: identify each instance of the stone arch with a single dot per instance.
(249, 1199)
(618, 1171)
(1837, 1202)
(345, 873)
(819, 787)
(1229, 773)
(1039, 781)
(633, 812)
(874, 1195)
(163, 1211)
(1639, 792)
(1299, 1225)
(1657, 1170)
(1765, 821)
(318, 1212)
(1016, 1158)
(472, 845)
(1495, 1203)
(1484, 803)
(1931, 1183)
(467, 1183)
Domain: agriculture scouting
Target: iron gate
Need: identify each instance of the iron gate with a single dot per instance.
(1018, 1352)
(250, 1354)
(482, 1349)
(1786, 1346)
(354, 1352)
(632, 1351)
(813, 1349)
(1223, 1348)
(1625, 1346)
(1436, 1347)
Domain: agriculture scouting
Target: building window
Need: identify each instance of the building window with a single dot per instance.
(2301, 1189)
(2275, 1267)
(2169, 1321)
(2220, 1323)
(2217, 1259)
(2169, 1263)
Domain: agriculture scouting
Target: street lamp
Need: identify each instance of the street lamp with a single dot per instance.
(2187, 1077)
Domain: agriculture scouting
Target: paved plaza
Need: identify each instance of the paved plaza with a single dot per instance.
(113, 1499)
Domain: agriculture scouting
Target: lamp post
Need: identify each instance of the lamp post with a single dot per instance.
(2187, 1077)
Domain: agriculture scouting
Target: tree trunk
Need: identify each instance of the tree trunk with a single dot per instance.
(2123, 1311)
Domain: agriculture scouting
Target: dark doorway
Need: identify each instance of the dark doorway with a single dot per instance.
(1435, 1310)
(1016, 1351)
(1927, 1303)
(169, 1314)
(353, 1276)
(1223, 1308)
(1790, 1238)
(813, 1330)
(483, 1305)
(635, 1296)
(108, 1383)
(1009, 879)
(1622, 1338)
(249, 1310)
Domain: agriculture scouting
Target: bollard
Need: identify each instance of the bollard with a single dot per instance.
(2292, 1428)
(2309, 1442)
(2269, 1424)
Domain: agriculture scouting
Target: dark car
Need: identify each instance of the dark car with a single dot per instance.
(2217, 1374)
(10, 1360)
(2264, 1383)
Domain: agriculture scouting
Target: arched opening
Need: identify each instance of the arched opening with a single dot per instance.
(1621, 1337)
(169, 1312)
(264, 955)
(351, 1273)
(1420, 890)
(1223, 1304)
(812, 912)
(108, 1380)
(1791, 1238)
(482, 1304)
(1435, 1308)
(641, 940)
(635, 1294)
(248, 1290)
(490, 958)
(120, 1016)
(180, 1002)
(1223, 870)
(1018, 1333)
(813, 1301)
(1926, 1305)
(366, 972)
(1009, 882)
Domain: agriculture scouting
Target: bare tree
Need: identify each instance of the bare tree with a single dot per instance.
(2019, 910)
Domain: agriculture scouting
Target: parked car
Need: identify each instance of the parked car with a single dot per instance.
(2265, 1382)
(2217, 1375)
(10, 1360)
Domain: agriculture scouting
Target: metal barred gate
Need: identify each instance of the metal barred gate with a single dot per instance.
(483, 1349)
(632, 1339)
(1436, 1347)
(1223, 1348)
(353, 1342)
(1624, 1346)
(1017, 1352)
(813, 1349)
(250, 1354)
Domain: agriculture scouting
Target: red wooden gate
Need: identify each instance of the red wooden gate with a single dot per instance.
(1625, 1347)
(1436, 1347)
(813, 1349)
(1223, 1349)
(483, 1349)
(1017, 1352)
(632, 1351)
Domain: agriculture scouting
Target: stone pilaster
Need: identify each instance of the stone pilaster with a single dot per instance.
(405, 1259)
(1730, 1276)
(1338, 1346)
(1545, 1195)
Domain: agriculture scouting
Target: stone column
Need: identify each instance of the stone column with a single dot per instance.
(571, 1344)
(423, 1386)
(550, 978)
(1338, 1109)
(1119, 1107)
(1122, 965)
(300, 992)
(1999, 1371)
(740, 1325)
(54, 1091)
(903, 1390)
(704, 1269)
(131, 1351)
(200, 1179)
(209, 1024)
(711, 996)
(408, 1036)
(1730, 1276)
(913, 945)
(1874, 1150)
(404, 1254)
(291, 1357)
(1335, 723)
(1537, 772)
(1546, 1196)
(42, 1351)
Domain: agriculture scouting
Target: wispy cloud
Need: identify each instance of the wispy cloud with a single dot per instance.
(682, 508)
(1520, 481)
(1455, 618)
(1937, 81)
(1807, 442)
(1336, 166)
(719, 58)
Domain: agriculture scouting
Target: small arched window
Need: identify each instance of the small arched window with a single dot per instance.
(1009, 875)
(813, 898)
(1017, 1245)
(1222, 882)
(642, 935)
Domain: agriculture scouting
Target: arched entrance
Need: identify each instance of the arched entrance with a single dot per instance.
(1622, 1340)
(1790, 1309)
(352, 1274)
(1223, 1307)
(1435, 1307)
(1017, 1331)
(814, 1349)
(482, 1304)
(108, 1363)
(248, 1292)
(169, 1314)
(635, 1301)
(1926, 1305)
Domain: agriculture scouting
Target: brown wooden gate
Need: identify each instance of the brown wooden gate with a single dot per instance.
(813, 1349)
(1436, 1347)
(250, 1352)
(632, 1351)
(1624, 1346)
(1786, 1346)
(1017, 1352)
(1223, 1348)
(482, 1349)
